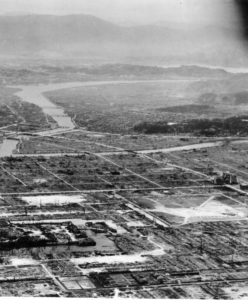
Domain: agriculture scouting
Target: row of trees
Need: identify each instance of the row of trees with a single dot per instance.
(207, 127)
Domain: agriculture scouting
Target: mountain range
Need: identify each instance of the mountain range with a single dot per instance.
(85, 36)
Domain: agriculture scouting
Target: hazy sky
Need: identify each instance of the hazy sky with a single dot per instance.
(130, 11)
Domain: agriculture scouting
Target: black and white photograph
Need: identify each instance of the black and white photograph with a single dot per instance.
(124, 149)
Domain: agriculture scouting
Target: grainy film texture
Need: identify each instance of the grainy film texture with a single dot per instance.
(123, 149)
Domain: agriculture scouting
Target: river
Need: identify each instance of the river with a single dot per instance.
(34, 94)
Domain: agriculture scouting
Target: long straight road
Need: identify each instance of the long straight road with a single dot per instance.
(123, 151)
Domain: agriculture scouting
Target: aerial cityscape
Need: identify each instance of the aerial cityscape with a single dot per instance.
(123, 154)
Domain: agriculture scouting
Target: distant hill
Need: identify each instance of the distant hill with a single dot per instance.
(137, 70)
(87, 36)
